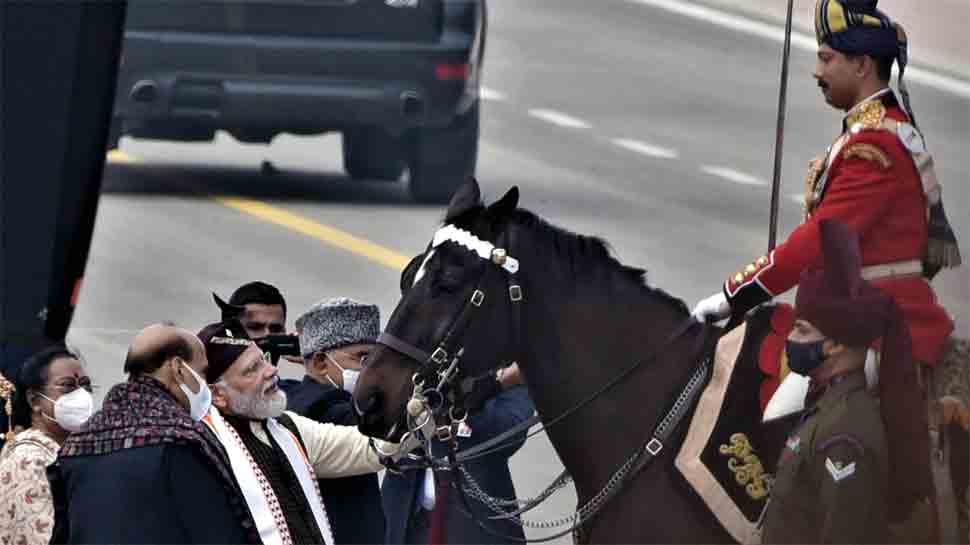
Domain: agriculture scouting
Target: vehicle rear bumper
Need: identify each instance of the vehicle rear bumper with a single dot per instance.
(286, 84)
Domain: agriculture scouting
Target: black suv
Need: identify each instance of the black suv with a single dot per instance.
(398, 78)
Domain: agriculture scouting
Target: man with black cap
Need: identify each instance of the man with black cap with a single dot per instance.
(336, 336)
(854, 463)
(276, 456)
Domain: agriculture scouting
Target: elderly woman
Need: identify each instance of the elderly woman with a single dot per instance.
(51, 398)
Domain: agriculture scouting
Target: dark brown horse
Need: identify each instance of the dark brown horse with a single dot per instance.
(582, 319)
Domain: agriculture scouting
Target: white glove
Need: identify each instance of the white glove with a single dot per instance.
(713, 308)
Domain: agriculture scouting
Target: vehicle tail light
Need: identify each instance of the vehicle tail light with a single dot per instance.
(451, 71)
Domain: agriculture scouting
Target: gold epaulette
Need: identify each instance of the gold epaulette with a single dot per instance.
(868, 116)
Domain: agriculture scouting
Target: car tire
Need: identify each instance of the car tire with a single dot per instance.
(372, 154)
(441, 159)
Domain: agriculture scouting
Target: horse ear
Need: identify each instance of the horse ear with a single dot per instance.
(507, 203)
(468, 196)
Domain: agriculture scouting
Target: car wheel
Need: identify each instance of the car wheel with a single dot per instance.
(372, 154)
(442, 159)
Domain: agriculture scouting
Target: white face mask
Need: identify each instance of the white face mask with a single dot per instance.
(72, 410)
(199, 402)
(349, 376)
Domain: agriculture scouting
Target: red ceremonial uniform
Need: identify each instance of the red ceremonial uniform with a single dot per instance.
(870, 182)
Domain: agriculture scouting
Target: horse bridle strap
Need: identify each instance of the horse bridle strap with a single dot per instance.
(484, 250)
(403, 347)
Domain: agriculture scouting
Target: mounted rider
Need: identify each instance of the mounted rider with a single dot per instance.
(878, 178)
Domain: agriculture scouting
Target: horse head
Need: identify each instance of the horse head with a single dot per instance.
(457, 301)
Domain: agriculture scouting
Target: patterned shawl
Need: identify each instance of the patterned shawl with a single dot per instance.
(142, 412)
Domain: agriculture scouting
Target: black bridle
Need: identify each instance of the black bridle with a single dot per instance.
(436, 386)
(428, 418)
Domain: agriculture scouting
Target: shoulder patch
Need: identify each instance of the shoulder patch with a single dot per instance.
(868, 152)
(838, 470)
(842, 439)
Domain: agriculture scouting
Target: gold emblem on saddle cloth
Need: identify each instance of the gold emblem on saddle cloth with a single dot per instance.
(746, 466)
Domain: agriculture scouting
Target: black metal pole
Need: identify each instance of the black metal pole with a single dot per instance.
(780, 130)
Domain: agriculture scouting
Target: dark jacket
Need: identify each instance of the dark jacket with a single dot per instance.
(832, 479)
(408, 522)
(165, 493)
(353, 503)
(142, 471)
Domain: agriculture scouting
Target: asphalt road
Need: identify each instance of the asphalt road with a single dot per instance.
(617, 118)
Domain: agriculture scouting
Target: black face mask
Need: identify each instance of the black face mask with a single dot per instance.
(803, 358)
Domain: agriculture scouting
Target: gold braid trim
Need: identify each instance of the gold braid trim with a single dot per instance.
(815, 168)
(868, 152)
(868, 115)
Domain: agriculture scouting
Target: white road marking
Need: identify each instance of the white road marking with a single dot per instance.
(646, 149)
(800, 40)
(559, 118)
(732, 175)
(493, 95)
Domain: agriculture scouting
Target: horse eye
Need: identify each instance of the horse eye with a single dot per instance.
(449, 280)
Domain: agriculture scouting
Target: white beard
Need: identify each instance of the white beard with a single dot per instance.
(258, 406)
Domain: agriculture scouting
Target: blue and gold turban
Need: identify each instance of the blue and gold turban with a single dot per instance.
(856, 27)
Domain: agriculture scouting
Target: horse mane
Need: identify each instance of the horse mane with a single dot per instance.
(586, 255)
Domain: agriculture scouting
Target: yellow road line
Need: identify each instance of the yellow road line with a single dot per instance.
(325, 233)
(294, 222)
(119, 157)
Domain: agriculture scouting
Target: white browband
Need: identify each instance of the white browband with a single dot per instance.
(482, 248)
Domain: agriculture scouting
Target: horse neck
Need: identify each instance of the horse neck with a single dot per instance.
(577, 343)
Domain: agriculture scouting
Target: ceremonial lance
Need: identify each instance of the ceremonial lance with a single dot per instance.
(780, 130)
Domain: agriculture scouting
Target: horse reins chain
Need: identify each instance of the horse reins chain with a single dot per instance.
(637, 462)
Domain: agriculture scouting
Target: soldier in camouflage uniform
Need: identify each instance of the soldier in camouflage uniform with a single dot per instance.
(833, 481)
